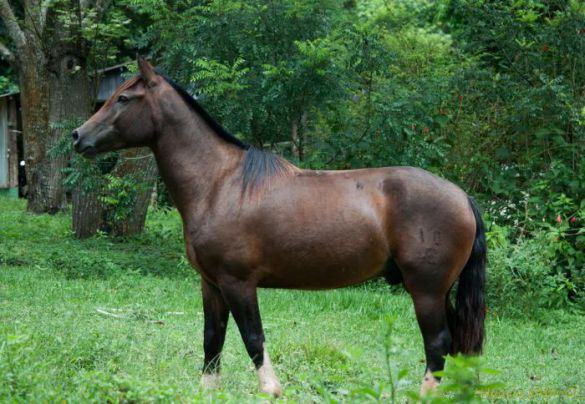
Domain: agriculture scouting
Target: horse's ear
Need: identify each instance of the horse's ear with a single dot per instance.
(147, 72)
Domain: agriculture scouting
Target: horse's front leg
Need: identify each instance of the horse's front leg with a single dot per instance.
(215, 312)
(243, 303)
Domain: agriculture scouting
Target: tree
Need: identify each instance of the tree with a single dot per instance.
(331, 78)
(57, 49)
(50, 54)
(524, 98)
(260, 67)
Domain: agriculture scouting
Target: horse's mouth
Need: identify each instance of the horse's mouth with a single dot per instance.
(89, 152)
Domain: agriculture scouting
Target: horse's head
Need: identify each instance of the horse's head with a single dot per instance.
(127, 119)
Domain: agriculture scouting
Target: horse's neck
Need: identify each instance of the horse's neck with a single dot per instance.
(191, 160)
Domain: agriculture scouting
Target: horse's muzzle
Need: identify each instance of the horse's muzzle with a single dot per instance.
(81, 145)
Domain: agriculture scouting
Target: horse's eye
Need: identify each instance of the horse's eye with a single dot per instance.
(123, 99)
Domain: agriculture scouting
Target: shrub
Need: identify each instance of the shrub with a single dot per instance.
(533, 272)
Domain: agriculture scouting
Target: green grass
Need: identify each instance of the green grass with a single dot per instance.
(55, 345)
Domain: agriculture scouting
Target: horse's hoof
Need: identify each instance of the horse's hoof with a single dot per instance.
(273, 388)
(429, 384)
(210, 381)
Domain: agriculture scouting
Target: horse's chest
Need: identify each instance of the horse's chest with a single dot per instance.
(196, 254)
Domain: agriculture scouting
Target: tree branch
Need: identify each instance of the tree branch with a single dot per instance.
(33, 17)
(44, 12)
(9, 20)
(7, 53)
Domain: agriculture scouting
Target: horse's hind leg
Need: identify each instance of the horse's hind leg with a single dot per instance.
(432, 320)
(216, 315)
(243, 303)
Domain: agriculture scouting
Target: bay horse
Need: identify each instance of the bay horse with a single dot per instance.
(252, 219)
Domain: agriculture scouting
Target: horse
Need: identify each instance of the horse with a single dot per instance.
(252, 219)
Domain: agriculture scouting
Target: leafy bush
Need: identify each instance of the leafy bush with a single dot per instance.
(461, 381)
(536, 272)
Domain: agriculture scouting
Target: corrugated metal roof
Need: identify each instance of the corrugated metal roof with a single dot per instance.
(121, 66)
(108, 85)
(111, 79)
(9, 94)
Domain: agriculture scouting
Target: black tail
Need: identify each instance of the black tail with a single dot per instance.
(467, 320)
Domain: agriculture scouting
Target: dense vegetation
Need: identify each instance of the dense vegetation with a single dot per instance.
(121, 320)
(490, 95)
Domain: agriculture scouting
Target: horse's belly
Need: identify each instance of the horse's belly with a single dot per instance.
(329, 277)
(324, 261)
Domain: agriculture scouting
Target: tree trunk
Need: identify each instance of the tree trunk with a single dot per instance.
(54, 90)
(298, 137)
(140, 164)
(294, 137)
(50, 58)
(73, 101)
(87, 212)
(45, 193)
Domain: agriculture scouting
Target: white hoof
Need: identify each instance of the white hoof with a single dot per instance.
(273, 388)
(269, 384)
(210, 381)
(429, 384)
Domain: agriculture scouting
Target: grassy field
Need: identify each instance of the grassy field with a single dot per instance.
(102, 320)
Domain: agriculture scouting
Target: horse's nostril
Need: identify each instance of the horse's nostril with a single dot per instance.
(75, 135)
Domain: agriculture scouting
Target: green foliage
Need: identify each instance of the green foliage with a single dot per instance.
(256, 65)
(395, 89)
(118, 192)
(7, 83)
(365, 85)
(120, 195)
(529, 275)
(523, 105)
(107, 36)
(462, 381)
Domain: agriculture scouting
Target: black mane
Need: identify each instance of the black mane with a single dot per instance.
(259, 165)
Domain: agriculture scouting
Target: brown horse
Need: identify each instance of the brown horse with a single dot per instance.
(251, 219)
